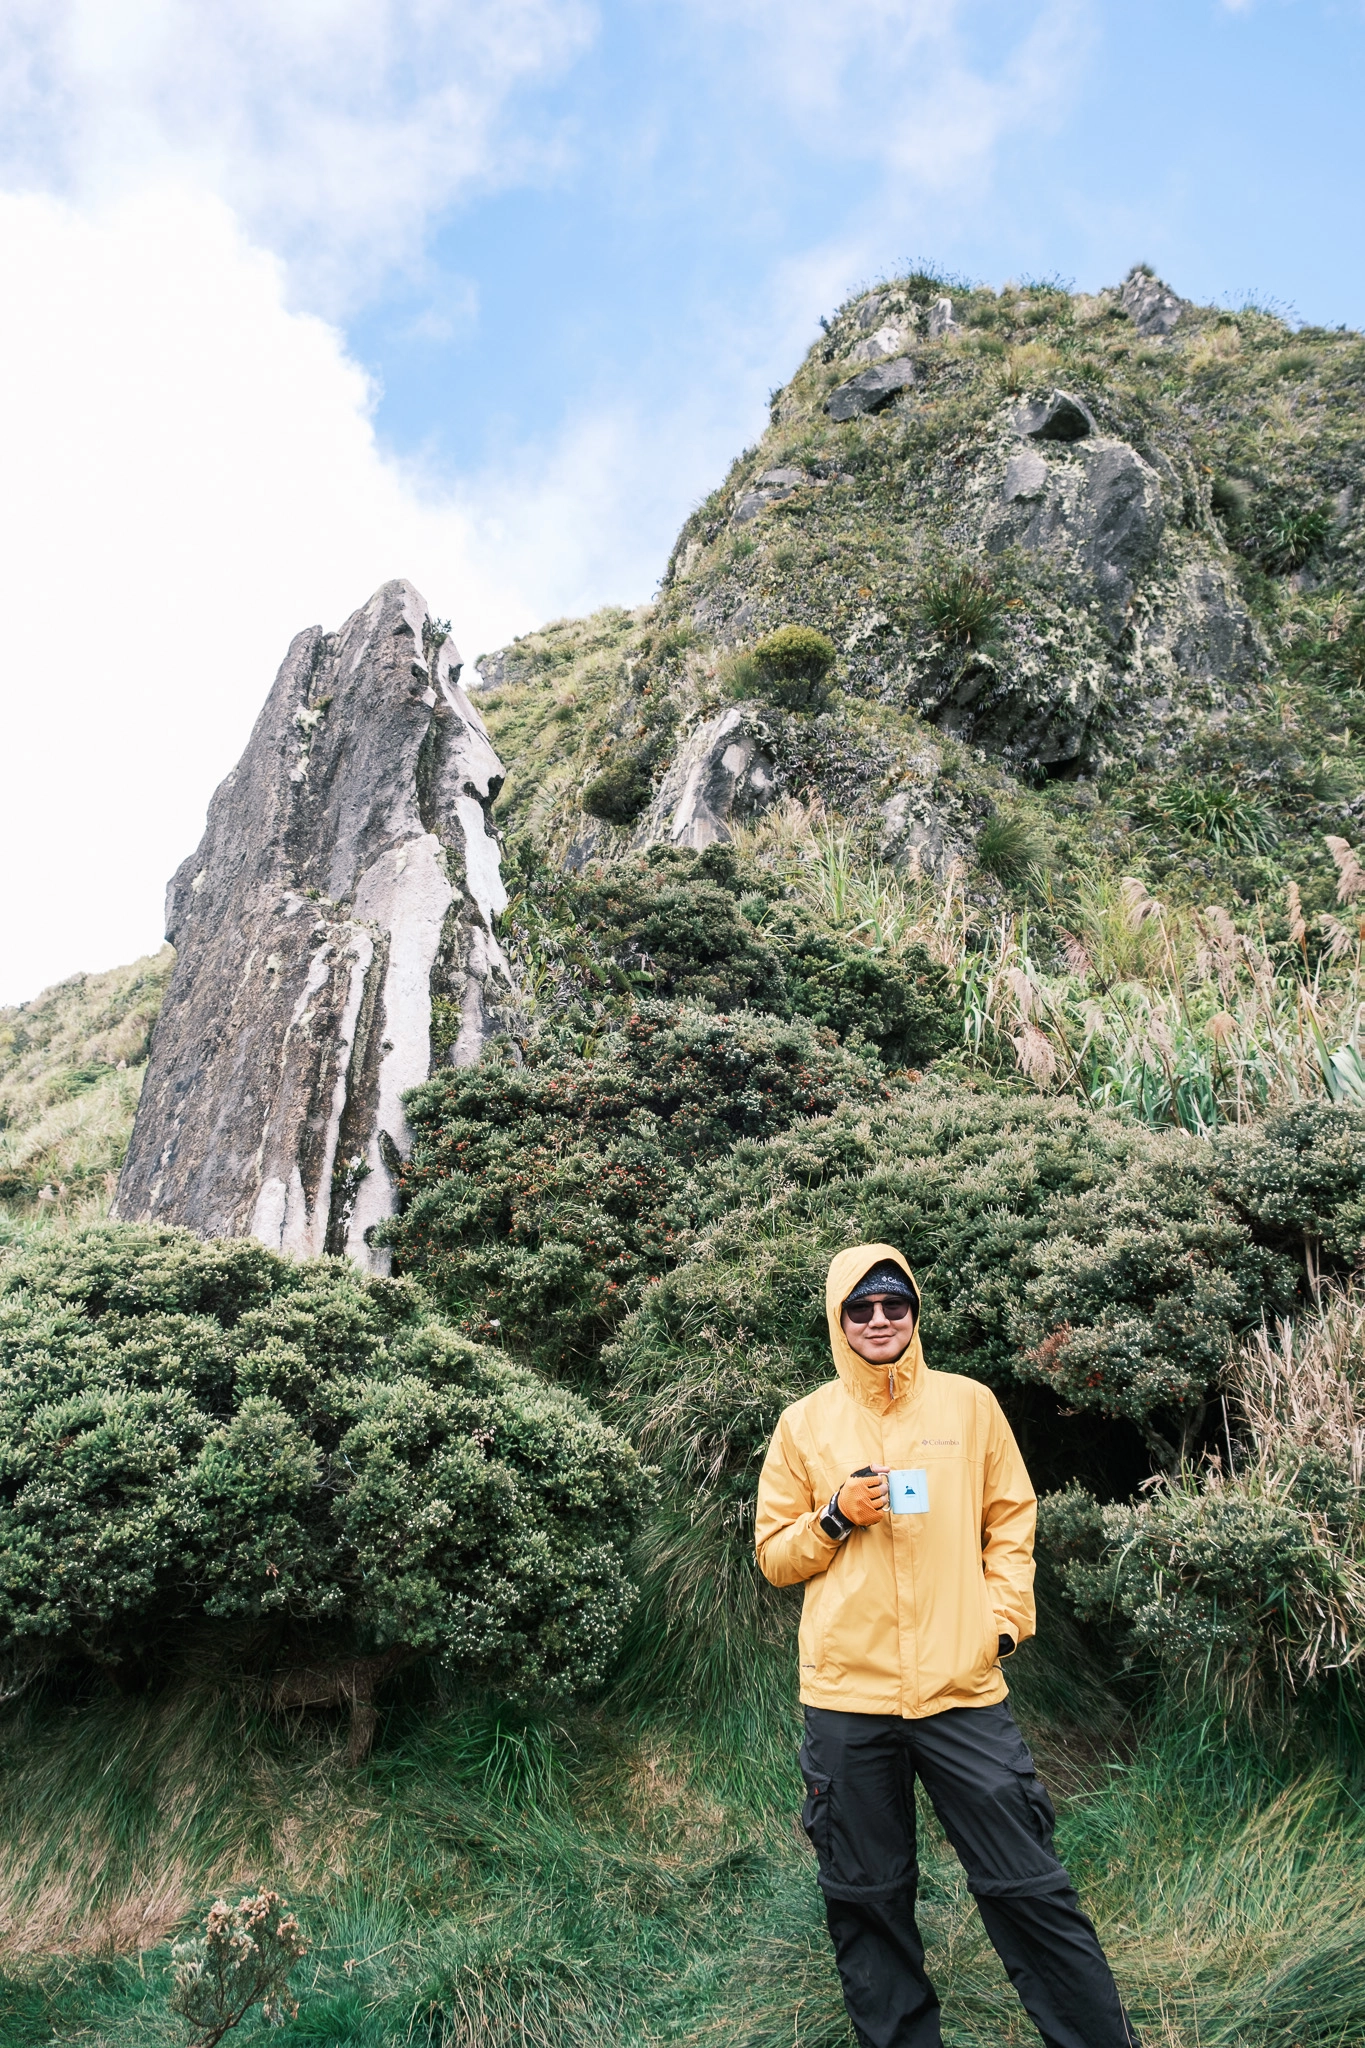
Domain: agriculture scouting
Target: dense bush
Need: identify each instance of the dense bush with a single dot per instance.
(1057, 1249)
(1246, 1578)
(792, 665)
(620, 791)
(675, 929)
(539, 1200)
(198, 1434)
(1300, 1179)
(680, 926)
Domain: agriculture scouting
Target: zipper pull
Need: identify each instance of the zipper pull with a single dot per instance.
(891, 1382)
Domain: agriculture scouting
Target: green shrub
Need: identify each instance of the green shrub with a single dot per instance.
(1223, 1585)
(792, 666)
(691, 928)
(1299, 1178)
(959, 603)
(675, 928)
(1245, 1579)
(620, 791)
(907, 1008)
(205, 1436)
(1057, 1249)
(539, 1201)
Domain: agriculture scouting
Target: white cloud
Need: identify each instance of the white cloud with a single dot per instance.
(191, 477)
(191, 472)
(335, 128)
(900, 82)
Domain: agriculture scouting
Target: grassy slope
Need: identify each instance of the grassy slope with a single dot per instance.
(71, 1067)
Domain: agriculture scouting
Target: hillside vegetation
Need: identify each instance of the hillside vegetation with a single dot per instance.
(71, 1067)
(960, 851)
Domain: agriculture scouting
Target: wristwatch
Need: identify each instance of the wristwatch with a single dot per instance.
(835, 1525)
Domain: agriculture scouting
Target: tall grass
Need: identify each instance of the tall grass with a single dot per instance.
(620, 1876)
(1183, 1017)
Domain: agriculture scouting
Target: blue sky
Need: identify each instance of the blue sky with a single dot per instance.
(690, 203)
(303, 294)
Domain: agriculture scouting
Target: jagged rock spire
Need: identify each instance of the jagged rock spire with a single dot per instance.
(334, 941)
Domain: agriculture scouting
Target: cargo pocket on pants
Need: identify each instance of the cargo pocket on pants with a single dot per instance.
(1042, 1814)
(815, 1816)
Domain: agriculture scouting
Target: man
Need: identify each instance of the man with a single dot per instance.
(898, 1497)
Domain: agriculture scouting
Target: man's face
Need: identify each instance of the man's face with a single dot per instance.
(882, 1340)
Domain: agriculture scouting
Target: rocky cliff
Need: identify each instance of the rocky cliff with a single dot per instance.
(1065, 544)
(334, 935)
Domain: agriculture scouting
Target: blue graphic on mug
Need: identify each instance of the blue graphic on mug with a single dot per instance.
(909, 1492)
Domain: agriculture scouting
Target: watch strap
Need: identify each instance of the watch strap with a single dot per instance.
(835, 1525)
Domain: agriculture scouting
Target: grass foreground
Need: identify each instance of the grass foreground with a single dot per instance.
(634, 1873)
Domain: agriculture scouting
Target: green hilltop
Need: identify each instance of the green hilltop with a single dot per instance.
(961, 851)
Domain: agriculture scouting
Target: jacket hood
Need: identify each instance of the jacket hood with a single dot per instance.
(875, 1386)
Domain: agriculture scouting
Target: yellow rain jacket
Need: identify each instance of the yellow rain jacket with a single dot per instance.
(903, 1617)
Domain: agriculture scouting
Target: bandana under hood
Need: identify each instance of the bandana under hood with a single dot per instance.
(875, 1386)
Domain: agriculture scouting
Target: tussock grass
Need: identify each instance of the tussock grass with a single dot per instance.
(1229, 1904)
(633, 1874)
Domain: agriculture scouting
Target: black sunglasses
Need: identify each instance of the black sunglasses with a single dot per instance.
(895, 1309)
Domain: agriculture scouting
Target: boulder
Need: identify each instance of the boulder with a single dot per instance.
(1151, 305)
(887, 342)
(334, 937)
(1058, 417)
(871, 389)
(723, 774)
(1118, 519)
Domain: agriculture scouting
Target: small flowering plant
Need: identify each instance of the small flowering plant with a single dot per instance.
(242, 1959)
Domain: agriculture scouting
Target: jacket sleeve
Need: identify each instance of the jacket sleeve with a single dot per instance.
(1009, 1515)
(790, 1543)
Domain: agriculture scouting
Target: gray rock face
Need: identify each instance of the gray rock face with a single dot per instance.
(768, 489)
(1103, 502)
(871, 389)
(1151, 305)
(941, 319)
(334, 937)
(722, 775)
(1058, 418)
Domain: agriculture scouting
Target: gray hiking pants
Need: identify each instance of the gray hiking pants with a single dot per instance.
(860, 1772)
